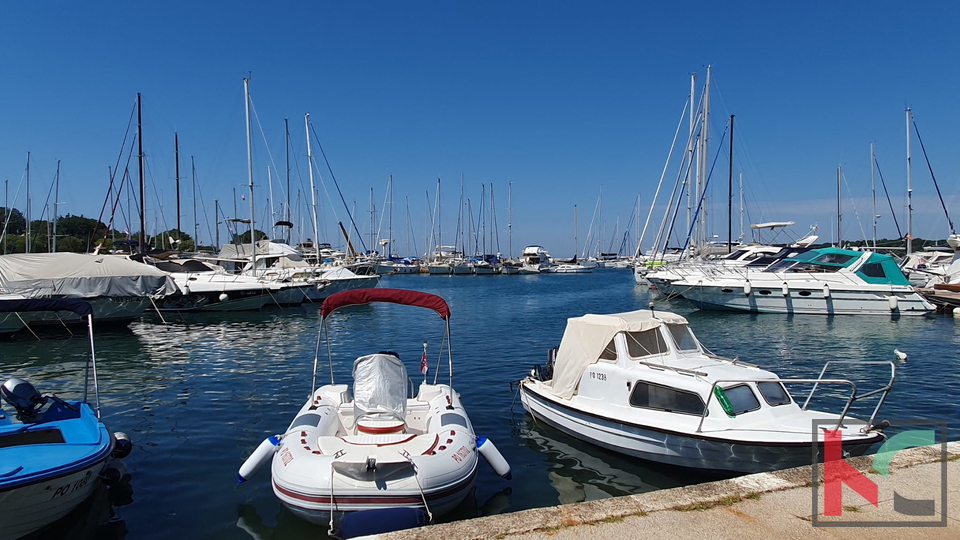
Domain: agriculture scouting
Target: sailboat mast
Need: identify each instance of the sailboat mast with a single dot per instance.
(909, 187)
(576, 231)
(730, 194)
(693, 126)
(196, 224)
(272, 204)
(839, 213)
(510, 220)
(143, 188)
(176, 155)
(313, 191)
(704, 158)
(286, 130)
(390, 220)
(27, 237)
(56, 206)
(741, 208)
(873, 195)
(253, 236)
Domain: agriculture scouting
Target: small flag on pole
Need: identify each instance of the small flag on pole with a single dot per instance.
(424, 366)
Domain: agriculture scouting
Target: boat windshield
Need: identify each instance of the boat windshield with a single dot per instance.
(650, 342)
(610, 351)
(683, 337)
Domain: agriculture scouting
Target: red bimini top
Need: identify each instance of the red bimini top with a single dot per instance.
(395, 296)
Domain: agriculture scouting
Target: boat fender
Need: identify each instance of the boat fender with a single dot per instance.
(494, 458)
(894, 302)
(258, 458)
(724, 401)
(224, 297)
(747, 288)
(121, 445)
(785, 289)
(113, 473)
(826, 290)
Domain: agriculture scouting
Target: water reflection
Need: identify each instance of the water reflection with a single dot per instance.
(580, 471)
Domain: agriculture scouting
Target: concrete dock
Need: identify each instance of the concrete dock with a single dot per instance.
(758, 506)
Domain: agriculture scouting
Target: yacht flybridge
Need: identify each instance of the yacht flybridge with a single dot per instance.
(640, 383)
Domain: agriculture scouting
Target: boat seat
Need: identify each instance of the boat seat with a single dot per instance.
(373, 425)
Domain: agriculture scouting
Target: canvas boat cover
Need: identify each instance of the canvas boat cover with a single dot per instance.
(380, 385)
(78, 275)
(289, 257)
(585, 338)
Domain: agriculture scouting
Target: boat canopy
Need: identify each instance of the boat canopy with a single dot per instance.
(76, 305)
(77, 275)
(395, 296)
(586, 337)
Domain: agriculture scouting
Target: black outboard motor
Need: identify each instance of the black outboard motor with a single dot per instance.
(24, 397)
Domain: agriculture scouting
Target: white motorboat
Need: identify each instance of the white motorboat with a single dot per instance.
(825, 281)
(372, 446)
(536, 260)
(53, 452)
(207, 287)
(640, 383)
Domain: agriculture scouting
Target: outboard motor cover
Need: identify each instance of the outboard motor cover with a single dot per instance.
(23, 396)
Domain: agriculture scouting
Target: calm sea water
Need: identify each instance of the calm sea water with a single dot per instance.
(196, 394)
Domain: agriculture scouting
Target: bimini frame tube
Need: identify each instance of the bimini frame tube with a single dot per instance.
(93, 360)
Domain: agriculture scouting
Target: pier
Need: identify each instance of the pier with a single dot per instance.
(767, 505)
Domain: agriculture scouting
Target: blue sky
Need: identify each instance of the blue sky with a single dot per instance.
(558, 98)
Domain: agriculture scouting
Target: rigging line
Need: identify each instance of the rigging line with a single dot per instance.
(9, 214)
(263, 136)
(704, 194)
(206, 215)
(887, 194)
(156, 193)
(335, 183)
(854, 204)
(113, 211)
(935, 184)
(116, 166)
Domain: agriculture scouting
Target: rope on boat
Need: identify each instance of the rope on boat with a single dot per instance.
(157, 309)
(333, 502)
(419, 487)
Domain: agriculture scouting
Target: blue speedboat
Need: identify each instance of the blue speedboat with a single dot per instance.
(52, 451)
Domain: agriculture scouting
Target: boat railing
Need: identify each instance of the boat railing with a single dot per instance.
(883, 391)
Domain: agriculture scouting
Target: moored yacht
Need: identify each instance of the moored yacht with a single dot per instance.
(640, 383)
(825, 281)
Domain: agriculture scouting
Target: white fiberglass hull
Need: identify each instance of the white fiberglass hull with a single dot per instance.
(29, 508)
(696, 451)
(322, 464)
(895, 300)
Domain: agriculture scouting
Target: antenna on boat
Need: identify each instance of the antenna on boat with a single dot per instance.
(652, 312)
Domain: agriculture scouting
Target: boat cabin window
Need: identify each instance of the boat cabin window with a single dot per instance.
(683, 337)
(610, 351)
(663, 398)
(774, 393)
(741, 399)
(874, 270)
(835, 258)
(640, 344)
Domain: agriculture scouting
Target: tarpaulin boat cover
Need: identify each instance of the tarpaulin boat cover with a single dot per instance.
(78, 275)
(380, 385)
(585, 338)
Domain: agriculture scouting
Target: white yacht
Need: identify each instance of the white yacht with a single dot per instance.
(640, 383)
(825, 281)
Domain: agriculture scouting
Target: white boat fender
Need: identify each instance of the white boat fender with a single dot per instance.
(785, 289)
(258, 458)
(747, 288)
(121, 445)
(894, 302)
(826, 290)
(223, 297)
(494, 458)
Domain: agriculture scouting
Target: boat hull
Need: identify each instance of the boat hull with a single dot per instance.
(29, 508)
(806, 300)
(672, 448)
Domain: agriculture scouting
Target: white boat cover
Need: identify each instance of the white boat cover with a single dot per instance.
(379, 385)
(78, 275)
(585, 338)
